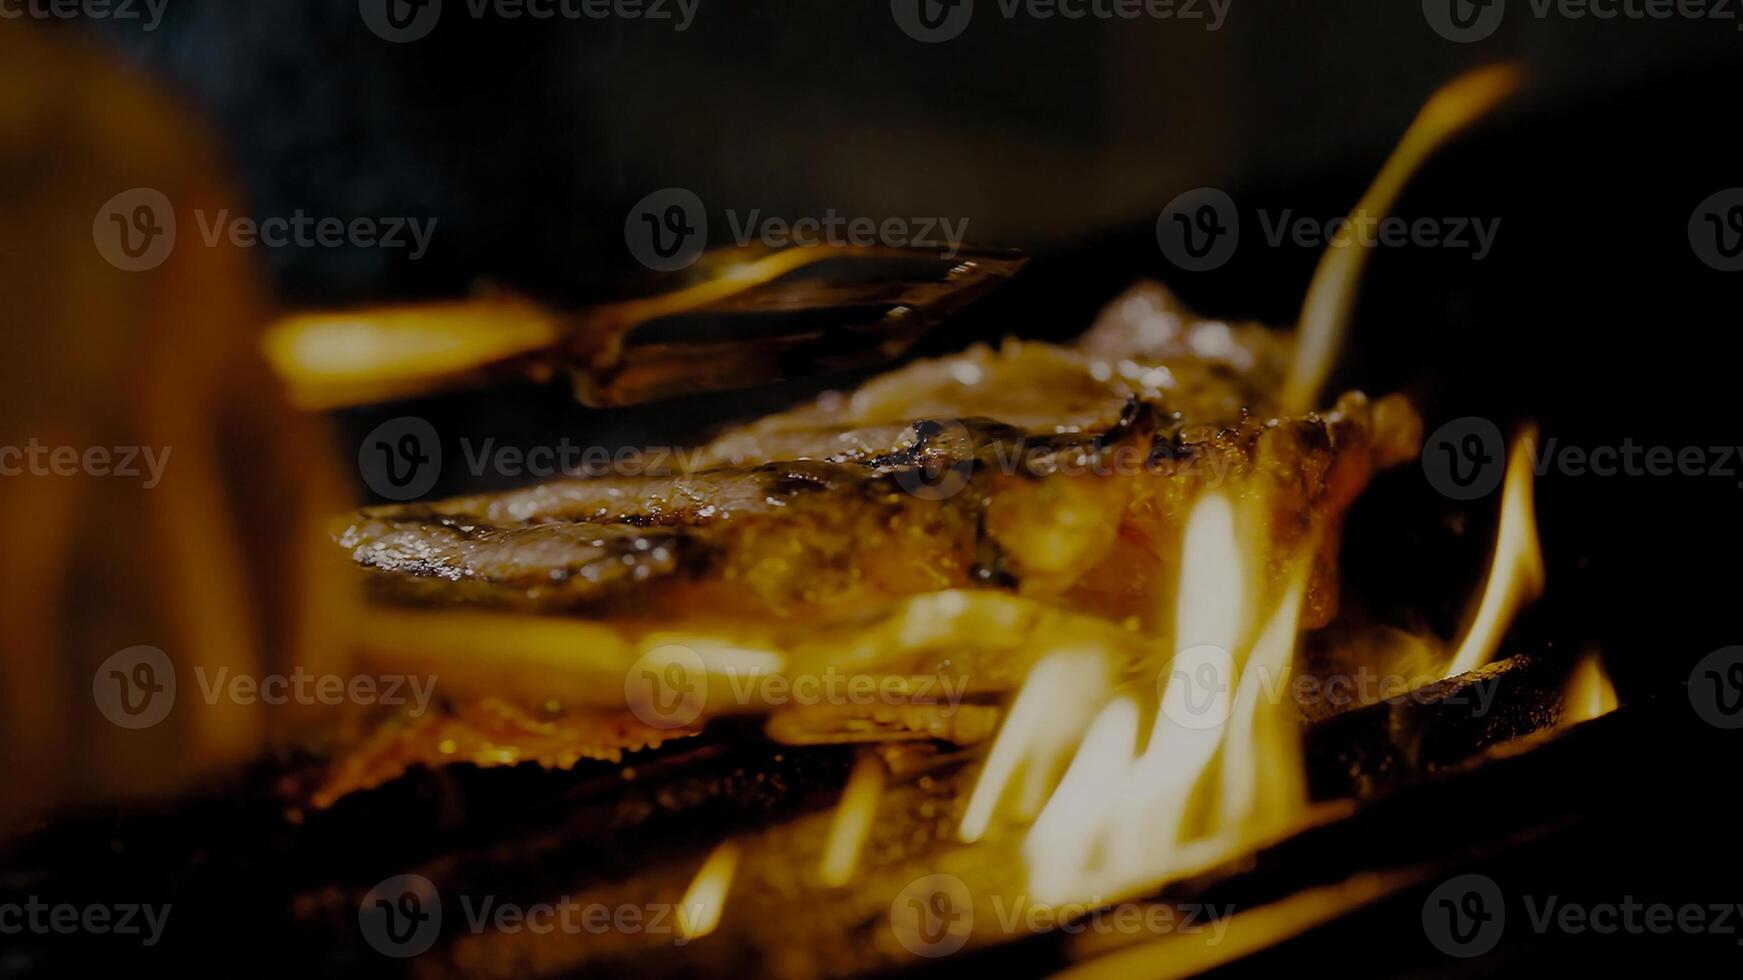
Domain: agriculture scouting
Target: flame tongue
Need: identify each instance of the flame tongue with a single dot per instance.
(1220, 771)
(1057, 702)
(1128, 814)
(1325, 312)
(1589, 693)
(1516, 574)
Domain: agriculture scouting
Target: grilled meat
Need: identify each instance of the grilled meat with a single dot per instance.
(1054, 472)
(954, 520)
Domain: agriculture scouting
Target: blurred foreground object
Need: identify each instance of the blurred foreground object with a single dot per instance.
(159, 495)
(739, 317)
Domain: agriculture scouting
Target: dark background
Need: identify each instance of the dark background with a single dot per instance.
(529, 141)
(1593, 316)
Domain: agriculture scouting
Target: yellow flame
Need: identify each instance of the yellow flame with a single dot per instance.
(1516, 573)
(705, 899)
(1055, 705)
(334, 359)
(1259, 778)
(1589, 693)
(1123, 819)
(1064, 842)
(1325, 312)
(853, 820)
(1209, 605)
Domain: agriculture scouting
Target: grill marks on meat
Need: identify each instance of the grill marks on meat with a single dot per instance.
(1057, 472)
(445, 555)
(952, 520)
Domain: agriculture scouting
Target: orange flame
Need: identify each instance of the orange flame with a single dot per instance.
(1325, 312)
(1589, 693)
(853, 820)
(1055, 705)
(705, 899)
(1516, 573)
(1219, 768)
